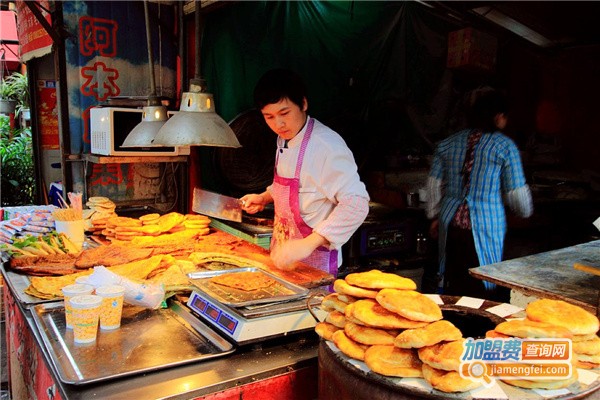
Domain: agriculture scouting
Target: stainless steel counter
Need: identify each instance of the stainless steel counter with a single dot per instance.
(246, 365)
(550, 275)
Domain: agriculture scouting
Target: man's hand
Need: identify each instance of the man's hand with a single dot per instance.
(253, 203)
(286, 254)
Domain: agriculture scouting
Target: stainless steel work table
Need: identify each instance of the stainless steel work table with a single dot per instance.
(550, 275)
(247, 365)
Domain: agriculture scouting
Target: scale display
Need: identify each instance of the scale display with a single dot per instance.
(233, 324)
(211, 312)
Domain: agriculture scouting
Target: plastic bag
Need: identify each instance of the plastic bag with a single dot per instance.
(137, 294)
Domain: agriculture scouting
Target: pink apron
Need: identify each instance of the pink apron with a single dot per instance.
(288, 222)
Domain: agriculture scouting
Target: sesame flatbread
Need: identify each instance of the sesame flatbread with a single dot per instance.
(246, 281)
(444, 356)
(589, 347)
(343, 287)
(348, 346)
(336, 318)
(332, 301)
(448, 381)
(392, 361)
(369, 312)
(429, 335)
(561, 313)
(326, 330)
(409, 304)
(369, 336)
(526, 328)
(376, 279)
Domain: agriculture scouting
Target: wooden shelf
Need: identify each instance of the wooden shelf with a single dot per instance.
(97, 159)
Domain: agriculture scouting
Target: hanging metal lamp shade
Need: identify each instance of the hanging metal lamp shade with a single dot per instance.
(153, 118)
(196, 123)
(154, 114)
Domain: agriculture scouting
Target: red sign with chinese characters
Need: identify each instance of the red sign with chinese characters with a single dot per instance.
(33, 38)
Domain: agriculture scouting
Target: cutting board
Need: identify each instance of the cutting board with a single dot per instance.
(223, 242)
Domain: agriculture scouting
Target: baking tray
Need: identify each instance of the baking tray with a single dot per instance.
(280, 291)
(148, 340)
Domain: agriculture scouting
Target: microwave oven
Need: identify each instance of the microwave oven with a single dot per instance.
(109, 126)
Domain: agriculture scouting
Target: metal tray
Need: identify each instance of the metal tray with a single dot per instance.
(280, 291)
(148, 340)
(18, 283)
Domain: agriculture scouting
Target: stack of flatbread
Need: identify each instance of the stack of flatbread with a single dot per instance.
(127, 229)
(381, 319)
(99, 210)
(548, 318)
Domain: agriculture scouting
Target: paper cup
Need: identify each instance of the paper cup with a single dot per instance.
(70, 291)
(112, 306)
(75, 231)
(86, 311)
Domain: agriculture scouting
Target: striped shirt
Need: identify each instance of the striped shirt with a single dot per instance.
(333, 199)
(497, 173)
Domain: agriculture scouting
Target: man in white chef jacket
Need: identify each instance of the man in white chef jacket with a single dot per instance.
(319, 199)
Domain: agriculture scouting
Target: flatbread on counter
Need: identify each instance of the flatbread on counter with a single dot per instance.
(246, 281)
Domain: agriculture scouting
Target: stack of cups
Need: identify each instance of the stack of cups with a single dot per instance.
(70, 291)
(85, 314)
(84, 310)
(112, 306)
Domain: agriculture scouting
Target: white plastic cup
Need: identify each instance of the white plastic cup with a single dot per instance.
(75, 231)
(112, 306)
(82, 280)
(86, 312)
(69, 291)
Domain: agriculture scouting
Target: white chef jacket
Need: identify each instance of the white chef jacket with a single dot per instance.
(333, 200)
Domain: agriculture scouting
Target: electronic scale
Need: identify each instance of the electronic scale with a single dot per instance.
(256, 322)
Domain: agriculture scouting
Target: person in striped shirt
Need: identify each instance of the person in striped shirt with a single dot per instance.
(475, 173)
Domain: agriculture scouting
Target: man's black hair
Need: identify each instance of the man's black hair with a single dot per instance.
(277, 84)
(486, 106)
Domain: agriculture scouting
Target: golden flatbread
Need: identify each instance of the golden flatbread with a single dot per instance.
(246, 281)
(326, 330)
(169, 221)
(561, 313)
(341, 286)
(448, 381)
(526, 328)
(593, 358)
(369, 336)
(332, 301)
(493, 334)
(585, 365)
(583, 338)
(336, 318)
(429, 335)
(409, 304)
(147, 218)
(172, 278)
(348, 346)
(392, 361)
(589, 347)
(371, 313)
(444, 356)
(376, 279)
(346, 298)
(348, 312)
